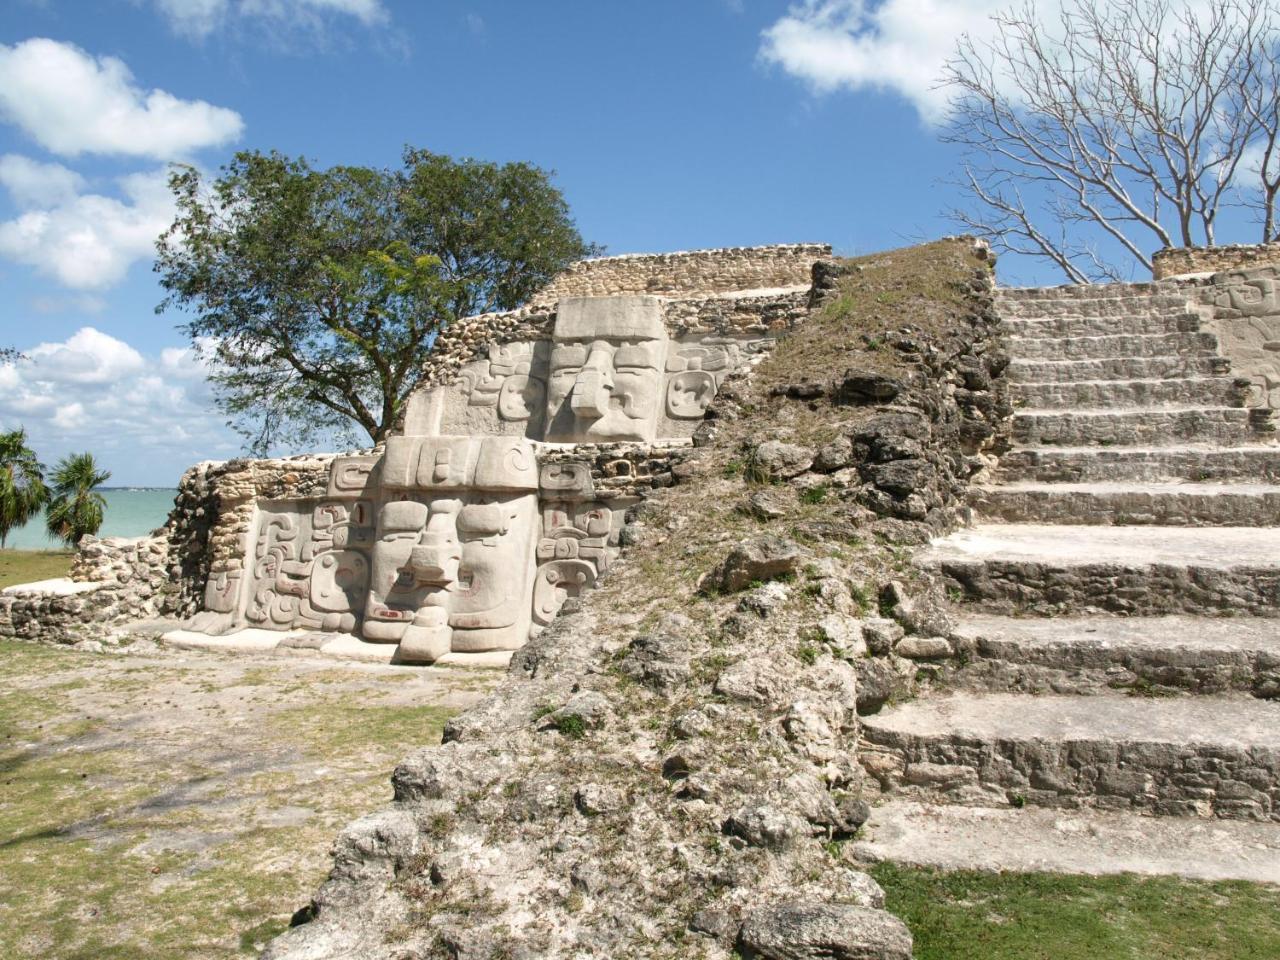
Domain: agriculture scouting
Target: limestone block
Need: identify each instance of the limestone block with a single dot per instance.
(1247, 324)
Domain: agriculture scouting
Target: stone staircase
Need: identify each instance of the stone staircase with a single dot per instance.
(1119, 598)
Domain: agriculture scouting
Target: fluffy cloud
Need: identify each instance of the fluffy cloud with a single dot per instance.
(88, 356)
(900, 46)
(34, 184)
(897, 45)
(87, 241)
(71, 102)
(146, 417)
(199, 18)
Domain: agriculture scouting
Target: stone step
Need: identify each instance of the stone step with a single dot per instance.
(1181, 391)
(1123, 345)
(1140, 322)
(1259, 463)
(1120, 368)
(1228, 426)
(1130, 503)
(1051, 570)
(1091, 654)
(1089, 298)
(1178, 756)
(1083, 842)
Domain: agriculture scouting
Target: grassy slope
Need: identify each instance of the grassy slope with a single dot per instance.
(969, 915)
(24, 566)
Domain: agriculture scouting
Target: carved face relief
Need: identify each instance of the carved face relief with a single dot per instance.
(456, 564)
(452, 565)
(607, 359)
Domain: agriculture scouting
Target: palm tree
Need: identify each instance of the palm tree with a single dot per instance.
(22, 489)
(76, 509)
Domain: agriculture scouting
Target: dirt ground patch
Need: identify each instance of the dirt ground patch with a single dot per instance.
(164, 804)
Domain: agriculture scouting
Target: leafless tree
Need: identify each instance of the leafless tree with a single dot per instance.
(1118, 126)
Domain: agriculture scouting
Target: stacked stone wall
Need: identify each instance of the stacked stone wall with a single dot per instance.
(696, 273)
(1175, 261)
(116, 580)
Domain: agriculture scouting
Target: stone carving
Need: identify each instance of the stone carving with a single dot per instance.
(452, 564)
(351, 476)
(572, 554)
(607, 359)
(222, 591)
(565, 480)
(1247, 324)
(696, 372)
(459, 540)
(310, 568)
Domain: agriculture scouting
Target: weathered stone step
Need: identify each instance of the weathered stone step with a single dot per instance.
(1090, 654)
(1118, 368)
(1088, 842)
(1122, 345)
(1182, 391)
(1093, 301)
(1048, 569)
(1229, 426)
(1129, 503)
(1141, 322)
(1180, 756)
(1259, 463)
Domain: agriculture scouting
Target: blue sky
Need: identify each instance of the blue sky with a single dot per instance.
(671, 124)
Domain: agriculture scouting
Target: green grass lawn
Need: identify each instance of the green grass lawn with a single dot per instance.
(23, 566)
(971, 915)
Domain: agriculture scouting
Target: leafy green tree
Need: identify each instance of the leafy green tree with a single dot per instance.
(22, 489)
(316, 294)
(75, 509)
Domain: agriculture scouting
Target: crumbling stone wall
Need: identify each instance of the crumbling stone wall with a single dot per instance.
(685, 274)
(118, 580)
(1174, 261)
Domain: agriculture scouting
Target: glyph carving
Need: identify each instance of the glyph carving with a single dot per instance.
(1247, 323)
(351, 476)
(573, 554)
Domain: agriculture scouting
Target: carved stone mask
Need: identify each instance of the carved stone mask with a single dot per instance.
(607, 362)
(451, 565)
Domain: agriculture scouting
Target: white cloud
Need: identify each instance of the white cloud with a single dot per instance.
(199, 18)
(88, 356)
(144, 416)
(71, 102)
(897, 45)
(90, 241)
(35, 184)
(69, 416)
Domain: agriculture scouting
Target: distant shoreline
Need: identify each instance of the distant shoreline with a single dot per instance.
(131, 511)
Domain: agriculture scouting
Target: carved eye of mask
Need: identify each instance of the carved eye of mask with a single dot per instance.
(633, 355)
(568, 355)
(482, 520)
(402, 516)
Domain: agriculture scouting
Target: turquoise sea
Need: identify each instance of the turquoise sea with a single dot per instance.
(130, 512)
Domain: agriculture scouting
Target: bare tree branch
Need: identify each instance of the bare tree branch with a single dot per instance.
(1130, 123)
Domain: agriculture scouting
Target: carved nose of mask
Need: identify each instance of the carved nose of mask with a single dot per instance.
(591, 395)
(435, 563)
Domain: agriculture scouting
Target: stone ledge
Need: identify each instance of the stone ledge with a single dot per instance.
(57, 587)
